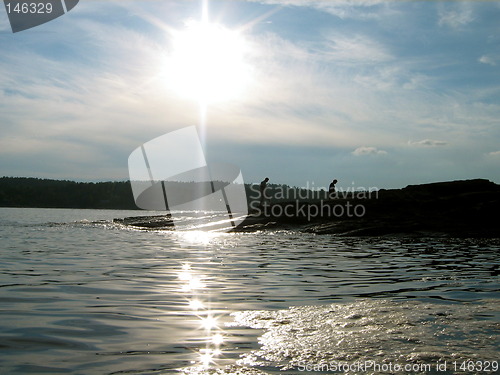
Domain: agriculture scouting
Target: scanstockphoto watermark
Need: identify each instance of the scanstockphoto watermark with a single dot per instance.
(366, 366)
(312, 211)
(311, 192)
(371, 366)
(310, 202)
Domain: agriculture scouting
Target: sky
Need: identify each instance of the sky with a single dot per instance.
(373, 93)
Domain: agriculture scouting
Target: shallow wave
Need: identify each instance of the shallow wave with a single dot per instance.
(404, 332)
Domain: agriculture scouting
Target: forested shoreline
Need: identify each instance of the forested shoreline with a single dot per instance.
(46, 193)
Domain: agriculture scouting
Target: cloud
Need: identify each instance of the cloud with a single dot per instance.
(458, 16)
(366, 150)
(355, 9)
(485, 59)
(418, 81)
(381, 77)
(348, 104)
(494, 153)
(428, 143)
(355, 49)
(323, 4)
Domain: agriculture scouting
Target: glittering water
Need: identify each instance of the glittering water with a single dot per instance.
(80, 294)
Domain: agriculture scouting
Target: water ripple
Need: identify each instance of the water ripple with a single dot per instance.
(81, 295)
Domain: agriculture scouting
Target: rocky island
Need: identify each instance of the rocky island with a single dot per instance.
(467, 208)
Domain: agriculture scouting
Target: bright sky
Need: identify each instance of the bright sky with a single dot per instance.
(373, 93)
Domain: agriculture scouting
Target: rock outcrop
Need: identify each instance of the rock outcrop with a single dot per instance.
(469, 208)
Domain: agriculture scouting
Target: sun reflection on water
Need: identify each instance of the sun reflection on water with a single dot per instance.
(217, 339)
(193, 285)
(196, 304)
(198, 237)
(209, 323)
(206, 357)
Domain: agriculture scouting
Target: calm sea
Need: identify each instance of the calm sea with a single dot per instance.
(82, 295)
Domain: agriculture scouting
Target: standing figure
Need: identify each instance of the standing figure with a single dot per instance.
(332, 194)
(263, 187)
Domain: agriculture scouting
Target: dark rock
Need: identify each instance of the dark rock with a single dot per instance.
(147, 222)
(467, 208)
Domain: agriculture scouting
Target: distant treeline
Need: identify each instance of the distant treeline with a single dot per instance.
(35, 192)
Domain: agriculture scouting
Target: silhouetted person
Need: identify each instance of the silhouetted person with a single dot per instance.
(332, 194)
(263, 187)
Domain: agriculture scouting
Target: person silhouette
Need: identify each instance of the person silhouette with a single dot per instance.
(263, 187)
(332, 194)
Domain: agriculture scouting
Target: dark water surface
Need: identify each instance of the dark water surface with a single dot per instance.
(81, 295)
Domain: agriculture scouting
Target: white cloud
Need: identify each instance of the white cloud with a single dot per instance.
(418, 81)
(349, 105)
(456, 16)
(494, 153)
(381, 77)
(366, 150)
(323, 4)
(485, 59)
(358, 9)
(428, 143)
(355, 49)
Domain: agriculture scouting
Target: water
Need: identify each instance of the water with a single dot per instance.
(82, 295)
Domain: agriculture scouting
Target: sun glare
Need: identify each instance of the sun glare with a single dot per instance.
(207, 63)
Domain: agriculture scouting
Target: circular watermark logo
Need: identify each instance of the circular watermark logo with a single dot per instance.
(170, 173)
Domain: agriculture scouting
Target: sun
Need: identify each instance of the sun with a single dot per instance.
(207, 62)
